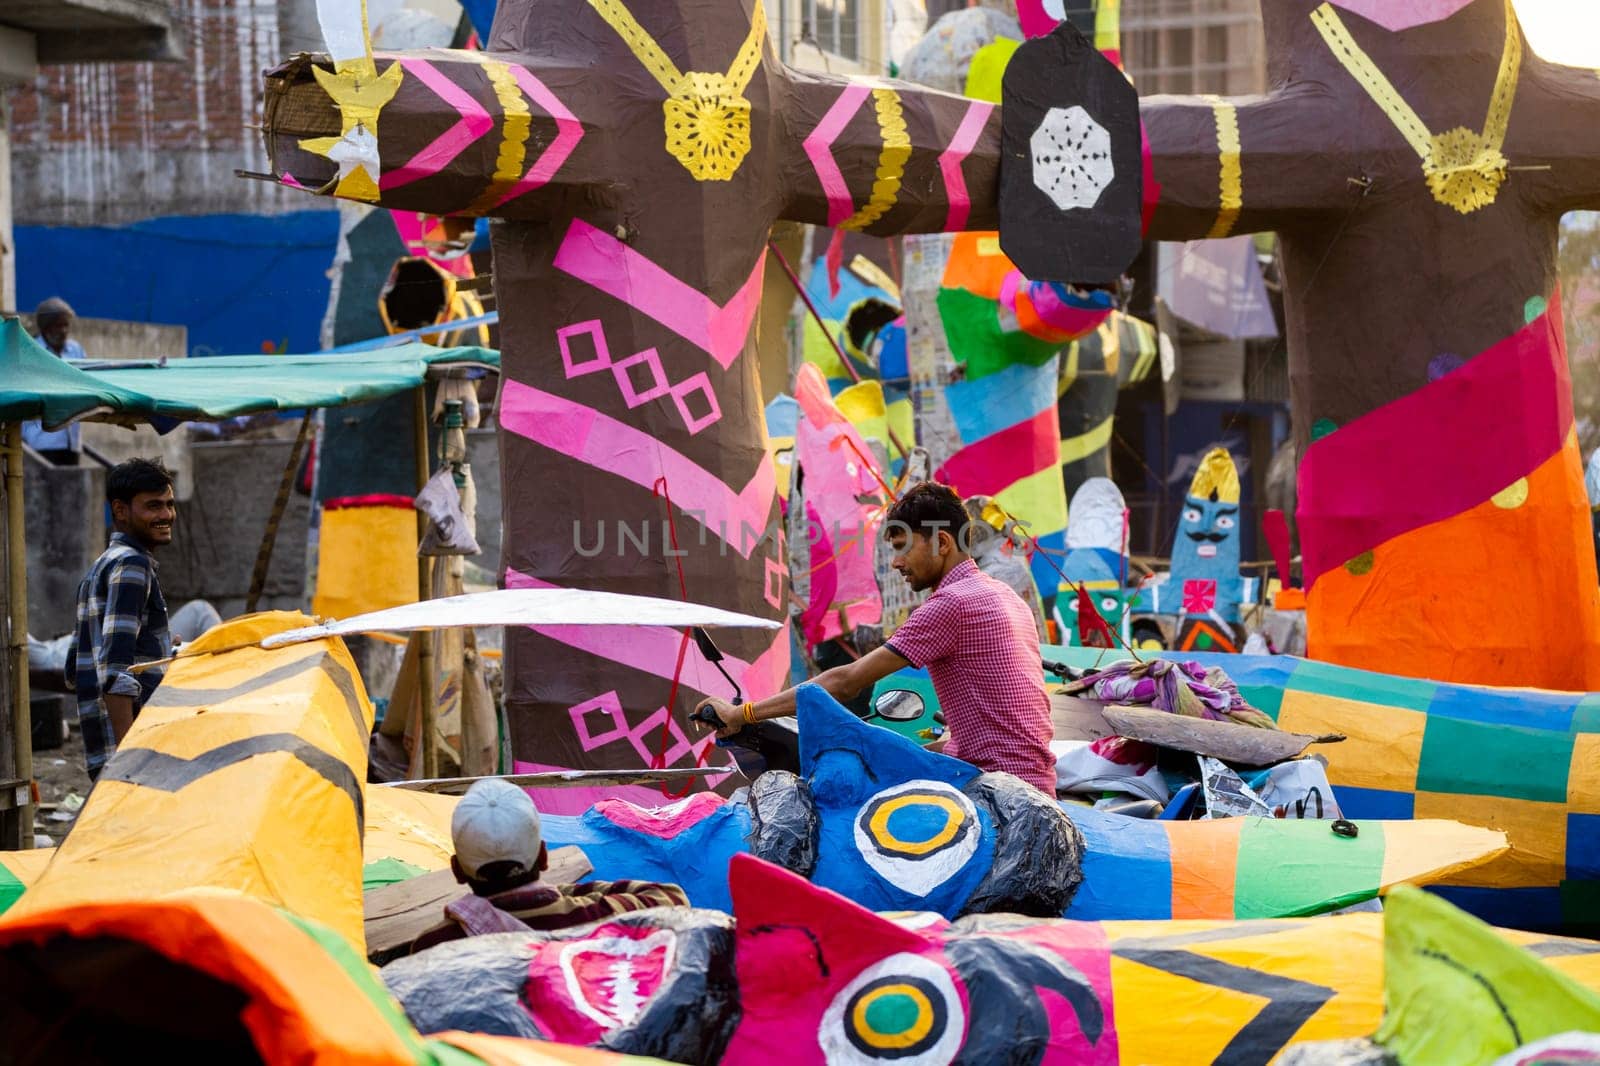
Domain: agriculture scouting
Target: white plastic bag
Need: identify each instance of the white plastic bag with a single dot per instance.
(1299, 789)
(449, 532)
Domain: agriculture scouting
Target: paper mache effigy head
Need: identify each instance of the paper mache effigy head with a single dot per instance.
(1097, 555)
(894, 827)
(659, 980)
(1097, 521)
(872, 816)
(1205, 551)
(800, 968)
(1085, 567)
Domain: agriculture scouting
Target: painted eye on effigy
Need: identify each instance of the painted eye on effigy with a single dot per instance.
(903, 1009)
(918, 835)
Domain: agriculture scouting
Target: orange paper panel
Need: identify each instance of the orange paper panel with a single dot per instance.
(1470, 599)
(1205, 858)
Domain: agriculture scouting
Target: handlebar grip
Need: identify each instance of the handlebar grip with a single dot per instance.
(706, 715)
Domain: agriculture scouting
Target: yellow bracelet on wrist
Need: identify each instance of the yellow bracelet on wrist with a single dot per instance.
(749, 709)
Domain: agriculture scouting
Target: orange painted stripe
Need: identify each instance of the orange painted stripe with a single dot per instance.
(1503, 594)
(1205, 861)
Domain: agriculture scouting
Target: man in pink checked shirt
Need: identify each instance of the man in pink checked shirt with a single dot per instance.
(974, 635)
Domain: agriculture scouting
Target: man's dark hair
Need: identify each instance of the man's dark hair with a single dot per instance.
(497, 877)
(928, 507)
(50, 310)
(130, 478)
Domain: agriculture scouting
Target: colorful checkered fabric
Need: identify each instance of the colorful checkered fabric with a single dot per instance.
(978, 642)
(1524, 761)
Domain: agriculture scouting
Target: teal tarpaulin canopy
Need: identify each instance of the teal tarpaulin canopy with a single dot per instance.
(34, 384)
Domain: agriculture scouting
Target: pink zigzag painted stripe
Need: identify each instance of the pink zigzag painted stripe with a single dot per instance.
(576, 801)
(819, 147)
(955, 183)
(654, 650)
(595, 256)
(474, 123)
(615, 447)
(569, 131)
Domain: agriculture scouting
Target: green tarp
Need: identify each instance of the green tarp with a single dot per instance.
(34, 384)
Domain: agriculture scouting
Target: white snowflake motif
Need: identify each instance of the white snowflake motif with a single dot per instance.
(1071, 158)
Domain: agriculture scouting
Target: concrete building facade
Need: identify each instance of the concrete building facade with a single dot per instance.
(1194, 46)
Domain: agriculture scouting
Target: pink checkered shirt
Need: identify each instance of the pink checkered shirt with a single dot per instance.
(978, 642)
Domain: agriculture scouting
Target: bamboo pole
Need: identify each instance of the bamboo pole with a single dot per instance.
(427, 682)
(269, 537)
(17, 649)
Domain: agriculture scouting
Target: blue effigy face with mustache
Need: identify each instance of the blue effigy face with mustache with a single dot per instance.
(1205, 552)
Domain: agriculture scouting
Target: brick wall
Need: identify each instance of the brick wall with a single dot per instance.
(110, 143)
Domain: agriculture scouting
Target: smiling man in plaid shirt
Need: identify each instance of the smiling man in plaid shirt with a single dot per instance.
(122, 617)
(974, 635)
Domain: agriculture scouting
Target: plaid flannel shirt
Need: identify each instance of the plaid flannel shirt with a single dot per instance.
(122, 620)
(977, 640)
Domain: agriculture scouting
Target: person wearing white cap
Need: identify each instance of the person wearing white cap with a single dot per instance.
(498, 843)
(500, 853)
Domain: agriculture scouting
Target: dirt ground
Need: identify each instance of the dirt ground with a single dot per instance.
(61, 776)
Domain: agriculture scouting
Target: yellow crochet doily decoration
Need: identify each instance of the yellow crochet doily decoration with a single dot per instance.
(707, 115)
(1464, 169)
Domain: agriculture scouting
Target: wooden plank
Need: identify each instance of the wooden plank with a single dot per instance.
(568, 866)
(1077, 718)
(565, 779)
(1229, 741)
(399, 913)
(395, 915)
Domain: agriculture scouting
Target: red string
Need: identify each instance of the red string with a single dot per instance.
(1067, 581)
(866, 461)
(660, 760)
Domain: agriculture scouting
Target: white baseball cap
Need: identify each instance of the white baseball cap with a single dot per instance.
(495, 822)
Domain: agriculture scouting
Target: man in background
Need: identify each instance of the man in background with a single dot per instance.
(53, 320)
(122, 616)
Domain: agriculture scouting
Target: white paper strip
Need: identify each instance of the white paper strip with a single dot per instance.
(529, 607)
(344, 28)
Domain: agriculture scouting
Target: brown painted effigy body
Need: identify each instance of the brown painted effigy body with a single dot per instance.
(1415, 158)
(638, 155)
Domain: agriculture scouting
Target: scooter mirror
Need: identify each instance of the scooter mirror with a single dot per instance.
(899, 705)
